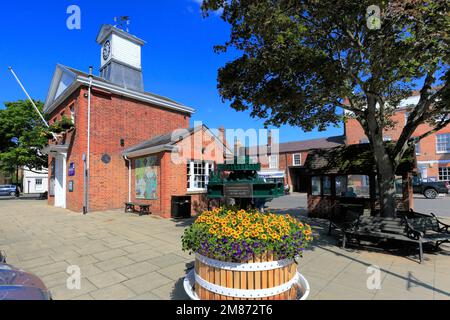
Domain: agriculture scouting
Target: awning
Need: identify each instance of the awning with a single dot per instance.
(55, 148)
(271, 174)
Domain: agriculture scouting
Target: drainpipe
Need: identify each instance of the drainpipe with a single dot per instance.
(129, 177)
(88, 153)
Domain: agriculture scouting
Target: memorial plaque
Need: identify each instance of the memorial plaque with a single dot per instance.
(238, 191)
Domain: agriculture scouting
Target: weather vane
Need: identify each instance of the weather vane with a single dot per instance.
(123, 22)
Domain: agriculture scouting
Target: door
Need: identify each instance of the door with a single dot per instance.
(60, 181)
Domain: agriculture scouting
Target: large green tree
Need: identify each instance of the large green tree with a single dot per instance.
(303, 61)
(21, 137)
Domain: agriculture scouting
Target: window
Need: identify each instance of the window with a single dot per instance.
(316, 186)
(326, 186)
(444, 174)
(198, 175)
(417, 148)
(297, 159)
(443, 143)
(387, 138)
(273, 161)
(38, 184)
(253, 159)
(72, 114)
(353, 186)
(406, 117)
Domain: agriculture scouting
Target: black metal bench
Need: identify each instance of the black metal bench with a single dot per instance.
(344, 220)
(144, 209)
(414, 228)
(383, 228)
(431, 229)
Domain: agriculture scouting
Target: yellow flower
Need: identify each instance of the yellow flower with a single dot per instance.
(247, 234)
(264, 236)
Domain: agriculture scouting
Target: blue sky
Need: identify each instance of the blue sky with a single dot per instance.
(178, 59)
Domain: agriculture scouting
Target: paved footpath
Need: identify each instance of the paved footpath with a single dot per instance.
(124, 256)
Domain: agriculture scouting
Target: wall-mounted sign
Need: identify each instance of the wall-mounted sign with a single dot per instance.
(71, 169)
(71, 185)
(147, 178)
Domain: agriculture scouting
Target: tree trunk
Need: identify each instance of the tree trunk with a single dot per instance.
(385, 165)
(386, 177)
(386, 185)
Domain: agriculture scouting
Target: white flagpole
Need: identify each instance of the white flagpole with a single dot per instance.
(31, 100)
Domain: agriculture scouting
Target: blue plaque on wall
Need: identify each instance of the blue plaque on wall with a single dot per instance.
(71, 169)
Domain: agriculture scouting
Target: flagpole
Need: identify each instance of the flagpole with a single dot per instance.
(31, 100)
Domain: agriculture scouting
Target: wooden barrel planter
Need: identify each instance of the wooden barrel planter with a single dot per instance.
(261, 278)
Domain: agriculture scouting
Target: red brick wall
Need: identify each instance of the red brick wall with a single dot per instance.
(428, 152)
(172, 177)
(113, 118)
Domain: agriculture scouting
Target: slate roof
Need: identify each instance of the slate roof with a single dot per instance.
(161, 140)
(323, 143)
(84, 74)
(352, 159)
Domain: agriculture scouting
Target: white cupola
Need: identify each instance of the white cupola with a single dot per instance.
(121, 58)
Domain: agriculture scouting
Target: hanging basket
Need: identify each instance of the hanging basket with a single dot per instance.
(262, 278)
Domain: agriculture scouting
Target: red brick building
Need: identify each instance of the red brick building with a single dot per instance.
(92, 167)
(287, 163)
(433, 152)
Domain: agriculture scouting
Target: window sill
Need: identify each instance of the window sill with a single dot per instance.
(443, 152)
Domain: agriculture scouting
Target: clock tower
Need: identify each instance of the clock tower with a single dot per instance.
(121, 58)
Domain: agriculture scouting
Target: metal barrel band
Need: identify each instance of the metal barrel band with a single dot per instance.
(232, 266)
(244, 293)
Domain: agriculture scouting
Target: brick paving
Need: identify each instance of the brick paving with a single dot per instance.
(124, 256)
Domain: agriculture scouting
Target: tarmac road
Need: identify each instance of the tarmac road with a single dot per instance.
(439, 206)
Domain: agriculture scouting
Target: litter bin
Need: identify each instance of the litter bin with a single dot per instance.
(181, 207)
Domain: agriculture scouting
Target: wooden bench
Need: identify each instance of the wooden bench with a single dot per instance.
(144, 209)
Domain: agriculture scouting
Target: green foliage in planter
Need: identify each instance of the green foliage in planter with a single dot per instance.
(230, 235)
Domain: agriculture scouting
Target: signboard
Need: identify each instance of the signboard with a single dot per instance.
(147, 178)
(238, 191)
(71, 169)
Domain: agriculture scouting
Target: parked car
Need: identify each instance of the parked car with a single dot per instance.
(16, 284)
(9, 190)
(430, 189)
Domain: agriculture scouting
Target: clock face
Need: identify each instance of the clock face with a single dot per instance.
(106, 50)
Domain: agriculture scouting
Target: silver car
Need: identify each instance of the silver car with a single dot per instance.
(8, 190)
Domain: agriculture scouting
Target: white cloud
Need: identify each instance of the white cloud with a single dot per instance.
(200, 2)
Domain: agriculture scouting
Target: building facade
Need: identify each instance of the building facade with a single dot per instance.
(432, 152)
(34, 181)
(89, 168)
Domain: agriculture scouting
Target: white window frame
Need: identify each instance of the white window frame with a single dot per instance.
(208, 167)
(38, 186)
(294, 163)
(253, 159)
(447, 142)
(447, 173)
(274, 164)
